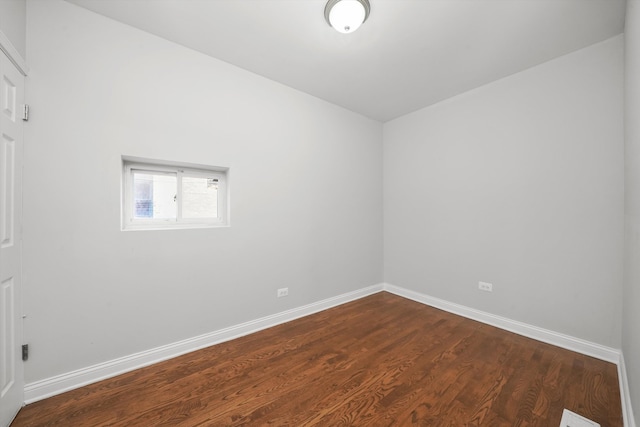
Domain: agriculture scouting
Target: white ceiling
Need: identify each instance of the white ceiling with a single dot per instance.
(409, 53)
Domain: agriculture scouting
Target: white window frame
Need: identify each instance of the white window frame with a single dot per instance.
(180, 170)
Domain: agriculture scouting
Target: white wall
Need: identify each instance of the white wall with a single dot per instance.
(13, 23)
(631, 295)
(305, 193)
(518, 183)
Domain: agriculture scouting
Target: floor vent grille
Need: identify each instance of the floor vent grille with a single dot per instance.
(571, 419)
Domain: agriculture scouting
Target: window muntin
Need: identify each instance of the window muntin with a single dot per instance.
(166, 196)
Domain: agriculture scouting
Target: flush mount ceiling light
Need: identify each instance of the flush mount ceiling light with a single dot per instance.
(346, 16)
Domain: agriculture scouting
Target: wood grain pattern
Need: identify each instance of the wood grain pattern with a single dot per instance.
(379, 361)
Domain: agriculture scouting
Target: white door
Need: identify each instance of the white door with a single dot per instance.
(11, 131)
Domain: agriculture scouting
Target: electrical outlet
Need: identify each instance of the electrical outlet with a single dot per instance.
(283, 292)
(484, 286)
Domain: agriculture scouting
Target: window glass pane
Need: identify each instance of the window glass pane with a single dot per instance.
(199, 197)
(154, 195)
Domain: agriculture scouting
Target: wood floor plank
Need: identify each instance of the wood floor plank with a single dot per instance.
(379, 361)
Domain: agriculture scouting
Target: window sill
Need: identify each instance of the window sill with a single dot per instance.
(156, 227)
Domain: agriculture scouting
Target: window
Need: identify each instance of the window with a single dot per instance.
(172, 195)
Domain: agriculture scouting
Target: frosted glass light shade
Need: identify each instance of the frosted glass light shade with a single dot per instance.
(346, 16)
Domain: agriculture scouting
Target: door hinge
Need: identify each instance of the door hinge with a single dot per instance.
(25, 352)
(25, 112)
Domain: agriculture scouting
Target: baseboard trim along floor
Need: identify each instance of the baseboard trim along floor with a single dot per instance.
(59, 384)
(550, 337)
(625, 396)
(557, 339)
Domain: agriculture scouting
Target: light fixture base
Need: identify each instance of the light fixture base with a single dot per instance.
(331, 3)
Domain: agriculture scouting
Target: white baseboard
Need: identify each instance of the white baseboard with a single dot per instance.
(550, 337)
(59, 384)
(627, 410)
(578, 345)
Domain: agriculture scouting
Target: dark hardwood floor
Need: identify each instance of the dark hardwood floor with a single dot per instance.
(379, 361)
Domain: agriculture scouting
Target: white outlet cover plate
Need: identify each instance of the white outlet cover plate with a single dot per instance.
(571, 419)
(484, 286)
